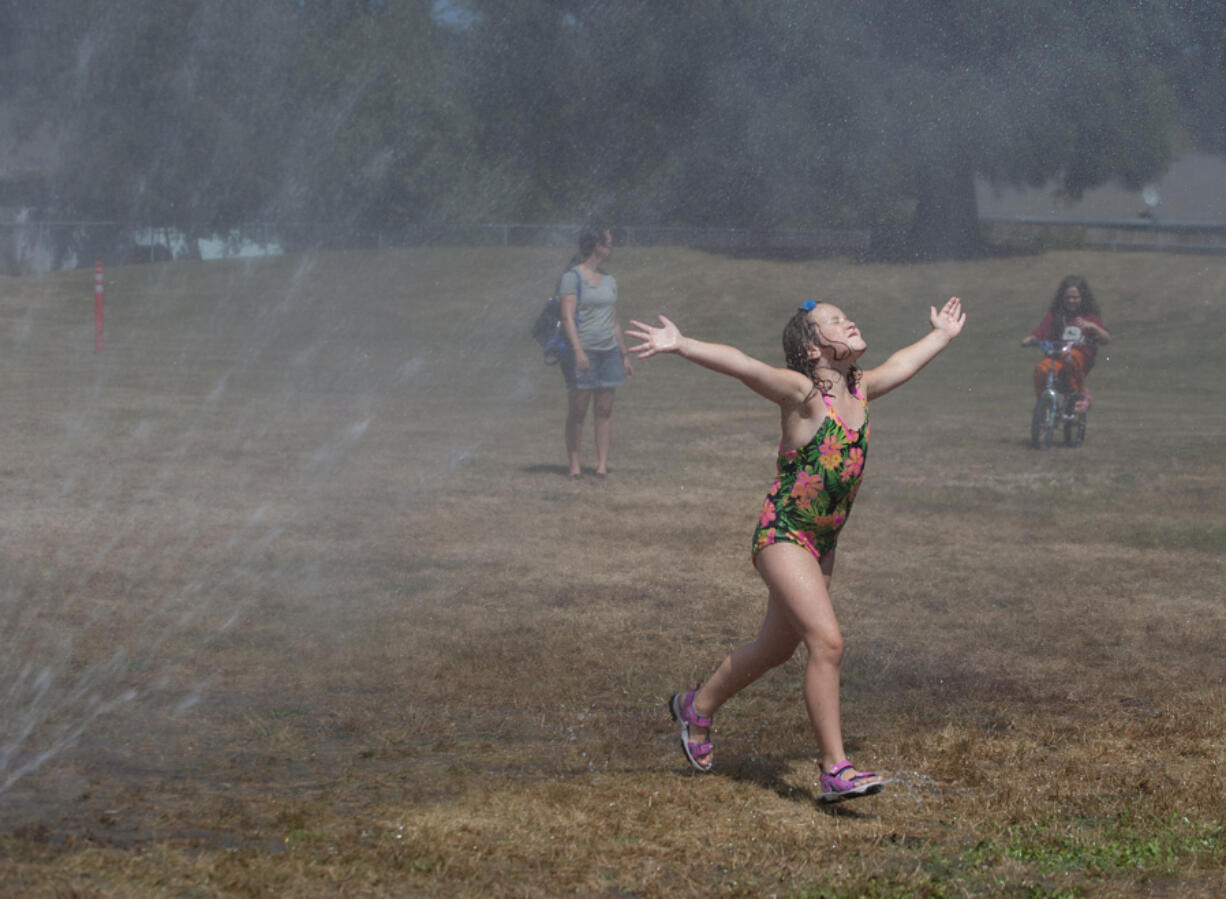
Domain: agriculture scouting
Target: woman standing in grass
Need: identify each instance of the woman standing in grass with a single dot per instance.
(823, 402)
(597, 363)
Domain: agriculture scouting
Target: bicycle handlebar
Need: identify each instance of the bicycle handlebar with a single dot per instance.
(1052, 347)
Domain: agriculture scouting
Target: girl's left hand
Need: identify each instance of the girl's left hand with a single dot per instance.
(950, 319)
(663, 339)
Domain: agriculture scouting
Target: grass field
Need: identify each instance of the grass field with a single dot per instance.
(296, 599)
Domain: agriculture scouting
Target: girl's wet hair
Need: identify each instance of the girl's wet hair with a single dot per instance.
(798, 333)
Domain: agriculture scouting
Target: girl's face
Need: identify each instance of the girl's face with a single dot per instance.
(838, 337)
(1072, 299)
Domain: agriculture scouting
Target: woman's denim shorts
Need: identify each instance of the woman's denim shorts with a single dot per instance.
(605, 371)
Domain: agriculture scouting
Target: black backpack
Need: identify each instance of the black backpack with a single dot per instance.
(548, 330)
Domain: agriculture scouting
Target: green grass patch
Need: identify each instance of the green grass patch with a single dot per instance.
(1207, 537)
(1125, 844)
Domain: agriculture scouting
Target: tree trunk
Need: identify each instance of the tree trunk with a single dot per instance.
(946, 224)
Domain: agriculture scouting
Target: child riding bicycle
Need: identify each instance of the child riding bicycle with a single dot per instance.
(1073, 316)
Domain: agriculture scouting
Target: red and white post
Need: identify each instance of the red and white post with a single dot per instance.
(98, 306)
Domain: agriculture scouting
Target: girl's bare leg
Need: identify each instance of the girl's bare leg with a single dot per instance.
(577, 403)
(774, 645)
(604, 428)
(801, 586)
(799, 610)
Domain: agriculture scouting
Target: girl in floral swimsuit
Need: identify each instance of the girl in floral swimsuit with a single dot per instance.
(811, 499)
(823, 402)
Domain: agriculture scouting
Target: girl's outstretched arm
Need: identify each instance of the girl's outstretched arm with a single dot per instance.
(779, 385)
(902, 365)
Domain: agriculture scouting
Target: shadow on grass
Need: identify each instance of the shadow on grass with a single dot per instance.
(771, 773)
(588, 473)
(541, 468)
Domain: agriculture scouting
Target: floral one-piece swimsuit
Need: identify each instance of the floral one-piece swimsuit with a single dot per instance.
(812, 496)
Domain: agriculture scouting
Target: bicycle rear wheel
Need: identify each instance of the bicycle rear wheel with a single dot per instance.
(1043, 421)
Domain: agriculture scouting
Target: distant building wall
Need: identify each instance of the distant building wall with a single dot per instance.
(1193, 191)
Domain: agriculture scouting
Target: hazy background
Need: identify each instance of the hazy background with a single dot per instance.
(353, 116)
(295, 594)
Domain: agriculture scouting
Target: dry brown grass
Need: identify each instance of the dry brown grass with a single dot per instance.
(320, 614)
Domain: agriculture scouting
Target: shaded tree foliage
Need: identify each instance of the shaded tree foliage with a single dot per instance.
(860, 112)
(790, 113)
(151, 107)
(1194, 56)
(210, 113)
(1016, 92)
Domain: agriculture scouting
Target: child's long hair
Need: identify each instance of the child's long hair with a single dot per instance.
(797, 335)
(1089, 306)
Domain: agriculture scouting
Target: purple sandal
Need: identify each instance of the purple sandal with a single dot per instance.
(681, 707)
(836, 789)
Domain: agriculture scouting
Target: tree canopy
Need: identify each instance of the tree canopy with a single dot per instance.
(792, 113)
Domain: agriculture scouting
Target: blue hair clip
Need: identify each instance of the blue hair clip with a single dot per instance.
(808, 305)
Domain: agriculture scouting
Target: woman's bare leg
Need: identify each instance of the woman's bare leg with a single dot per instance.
(577, 403)
(604, 428)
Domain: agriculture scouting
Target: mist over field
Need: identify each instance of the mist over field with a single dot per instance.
(296, 597)
(307, 577)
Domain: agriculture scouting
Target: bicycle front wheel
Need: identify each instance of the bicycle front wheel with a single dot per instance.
(1075, 431)
(1043, 422)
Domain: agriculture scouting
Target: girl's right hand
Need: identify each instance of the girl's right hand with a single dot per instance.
(582, 362)
(664, 339)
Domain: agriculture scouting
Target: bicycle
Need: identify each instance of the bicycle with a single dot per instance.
(1054, 406)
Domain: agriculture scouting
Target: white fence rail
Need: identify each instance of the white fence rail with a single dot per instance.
(54, 245)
